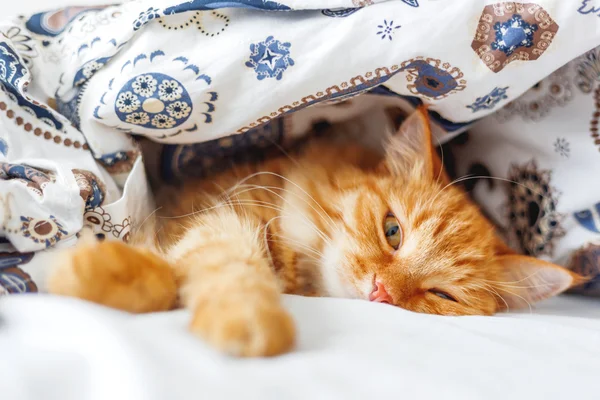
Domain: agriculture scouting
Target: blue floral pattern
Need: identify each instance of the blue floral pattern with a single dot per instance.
(512, 34)
(270, 58)
(429, 80)
(88, 69)
(490, 100)
(14, 77)
(145, 17)
(24, 44)
(155, 101)
(144, 102)
(19, 171)
(387, 29)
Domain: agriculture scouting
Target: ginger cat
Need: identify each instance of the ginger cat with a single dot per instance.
(333, 222)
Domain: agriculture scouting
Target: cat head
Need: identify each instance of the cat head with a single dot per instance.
(404, 235)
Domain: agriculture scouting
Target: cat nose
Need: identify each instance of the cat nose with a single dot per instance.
(379, 294)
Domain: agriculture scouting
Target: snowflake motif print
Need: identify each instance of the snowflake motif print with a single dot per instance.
(270, 58)
(387, 30)
(561, 146)
(512, 34)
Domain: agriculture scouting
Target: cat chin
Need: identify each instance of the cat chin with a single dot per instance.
(333, 282)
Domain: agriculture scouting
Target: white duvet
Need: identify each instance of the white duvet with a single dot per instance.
(64, 349)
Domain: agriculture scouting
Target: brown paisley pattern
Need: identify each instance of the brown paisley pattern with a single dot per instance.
(511, 31)
(101, 222)
(554, 91)
(534, 222)
(595, 117)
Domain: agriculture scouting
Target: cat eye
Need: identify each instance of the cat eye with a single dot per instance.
(443, 295)
(393, 233)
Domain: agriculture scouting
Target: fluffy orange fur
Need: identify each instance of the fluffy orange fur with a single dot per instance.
(226, 247)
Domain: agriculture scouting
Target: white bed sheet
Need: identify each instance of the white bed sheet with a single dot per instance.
(55, 348)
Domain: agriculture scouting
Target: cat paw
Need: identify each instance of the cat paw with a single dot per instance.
(245, 328)
(116, 275)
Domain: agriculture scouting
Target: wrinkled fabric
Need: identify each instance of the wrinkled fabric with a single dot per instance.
(65, 349)
(542, 152)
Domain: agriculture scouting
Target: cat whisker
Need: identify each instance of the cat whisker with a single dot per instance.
(284, 152)
(251, 203)
(300, 244)
(266, 233)
(267, 188)
(468, 177)
(271, 188)
(543, 285)
(528, 277)
(291, 182)
(519, 296)
(490, 289)
(204, 210)
(256, 203)
(146, 220)
(276, 208)
(439, 144)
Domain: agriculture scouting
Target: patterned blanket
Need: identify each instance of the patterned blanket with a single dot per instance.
(212, 79)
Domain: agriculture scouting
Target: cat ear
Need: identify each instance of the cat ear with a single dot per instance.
(409, 151)
(526, 280)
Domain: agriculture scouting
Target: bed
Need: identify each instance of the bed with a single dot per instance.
(55, 348)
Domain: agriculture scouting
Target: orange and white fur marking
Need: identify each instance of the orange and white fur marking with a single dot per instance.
(334, 221)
